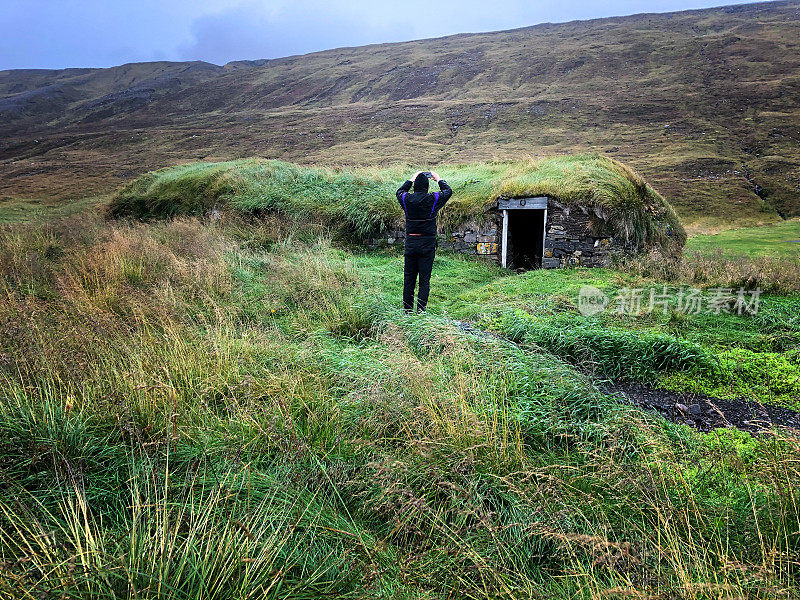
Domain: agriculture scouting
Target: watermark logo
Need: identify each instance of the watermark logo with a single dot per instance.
(591, 300)
(686, 300)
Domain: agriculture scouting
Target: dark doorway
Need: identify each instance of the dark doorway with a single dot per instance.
(525, 238)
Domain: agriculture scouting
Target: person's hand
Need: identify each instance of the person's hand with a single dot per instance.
(435, 176)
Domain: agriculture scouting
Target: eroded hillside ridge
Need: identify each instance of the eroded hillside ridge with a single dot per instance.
(706, 104)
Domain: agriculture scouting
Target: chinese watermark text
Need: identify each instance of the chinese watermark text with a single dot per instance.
(686, 300)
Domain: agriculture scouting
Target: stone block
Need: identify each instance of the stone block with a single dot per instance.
(551, 263)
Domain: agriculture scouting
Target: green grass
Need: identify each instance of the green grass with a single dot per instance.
(362, 202)
(724, 355)
(240, 409)
(781, 239)
(26, 210)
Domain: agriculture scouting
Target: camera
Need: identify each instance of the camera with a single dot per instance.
(427, 174)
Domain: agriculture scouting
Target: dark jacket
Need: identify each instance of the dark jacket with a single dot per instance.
(422, 207)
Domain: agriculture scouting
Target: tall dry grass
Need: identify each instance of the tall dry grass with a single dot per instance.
(780, 275)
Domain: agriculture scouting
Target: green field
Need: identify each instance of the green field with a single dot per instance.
(208, 387)
(782, 239)
(240, 409)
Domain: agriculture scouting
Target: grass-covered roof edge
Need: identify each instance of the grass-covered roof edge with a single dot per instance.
(360, 201)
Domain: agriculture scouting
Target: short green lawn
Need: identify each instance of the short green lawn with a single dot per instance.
(781, 239)
(453, 274)
(727, 354)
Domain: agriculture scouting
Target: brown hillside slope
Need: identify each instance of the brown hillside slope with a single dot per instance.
(705, 104)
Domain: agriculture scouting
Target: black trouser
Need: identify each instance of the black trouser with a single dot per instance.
(419, 254)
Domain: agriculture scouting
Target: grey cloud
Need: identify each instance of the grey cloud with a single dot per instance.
(251, 31)
(82, 33)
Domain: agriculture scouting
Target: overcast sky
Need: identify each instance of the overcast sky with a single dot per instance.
(103, 33)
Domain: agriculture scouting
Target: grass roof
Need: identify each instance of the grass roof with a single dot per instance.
(361, 201)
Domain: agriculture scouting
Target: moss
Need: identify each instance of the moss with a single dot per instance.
(770, 377)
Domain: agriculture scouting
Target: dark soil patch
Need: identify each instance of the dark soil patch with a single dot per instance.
(703, 412)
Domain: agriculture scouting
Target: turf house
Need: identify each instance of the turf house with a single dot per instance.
(553, 212)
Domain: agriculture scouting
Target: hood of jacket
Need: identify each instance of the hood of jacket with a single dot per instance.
(421, 184)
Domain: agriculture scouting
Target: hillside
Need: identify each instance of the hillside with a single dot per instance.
(705, 104)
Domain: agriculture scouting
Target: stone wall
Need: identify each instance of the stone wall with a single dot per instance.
(469, 238)
(479, 240)
(573, 237)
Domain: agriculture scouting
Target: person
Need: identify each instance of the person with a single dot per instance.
(421, 209)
